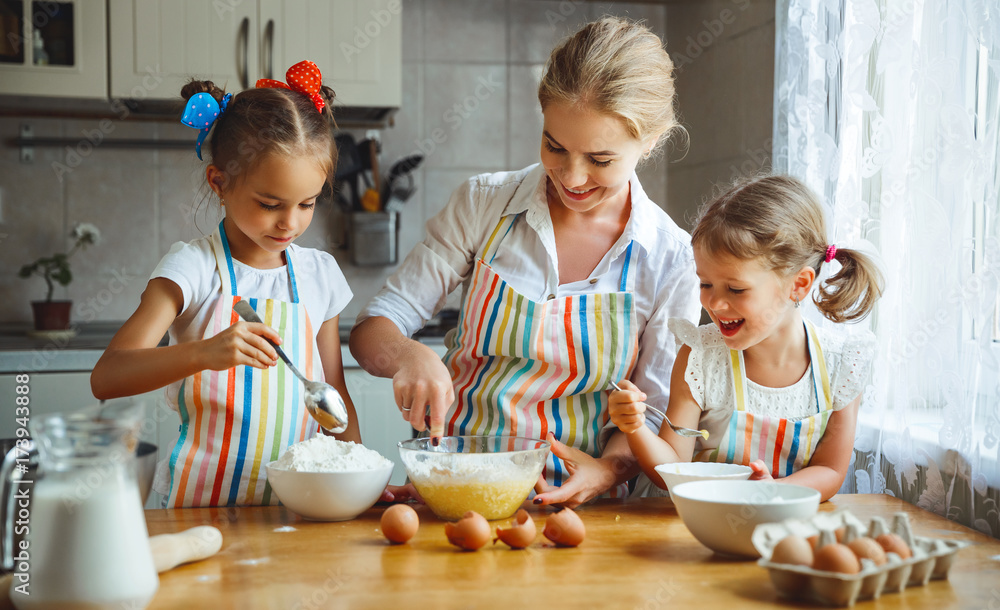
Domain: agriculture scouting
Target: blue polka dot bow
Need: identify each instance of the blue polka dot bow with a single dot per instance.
(201, 113)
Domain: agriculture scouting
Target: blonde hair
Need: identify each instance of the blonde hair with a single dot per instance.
(617, 67)
(778, 219)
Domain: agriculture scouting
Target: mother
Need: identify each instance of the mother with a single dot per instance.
(569, 274)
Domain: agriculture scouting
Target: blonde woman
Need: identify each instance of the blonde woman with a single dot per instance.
(569, 274)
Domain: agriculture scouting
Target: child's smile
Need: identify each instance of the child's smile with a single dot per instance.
(745, 299)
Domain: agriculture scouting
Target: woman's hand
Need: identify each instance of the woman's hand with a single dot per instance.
(400, 493)
(760, 471)
(241, 343)
(589, 477)
(423, 382)
(626, 407)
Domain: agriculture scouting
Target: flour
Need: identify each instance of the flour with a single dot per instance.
(326, 454)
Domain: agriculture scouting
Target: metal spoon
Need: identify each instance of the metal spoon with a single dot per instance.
(689, 432)
(322, 400)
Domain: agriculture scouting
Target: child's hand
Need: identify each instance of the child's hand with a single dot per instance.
(760, 471)
(626, 408)
(241, 343)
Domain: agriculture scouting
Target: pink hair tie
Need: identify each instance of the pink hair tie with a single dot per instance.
(831, 251)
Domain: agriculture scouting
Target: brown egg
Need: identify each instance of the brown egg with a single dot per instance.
(399, 523)
(521, 532)
(836, 557)
(868, 548)
(565, 528)
(471, 532)
(892, 543)
(794, 550)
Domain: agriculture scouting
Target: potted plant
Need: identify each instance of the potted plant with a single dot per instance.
(54, 315)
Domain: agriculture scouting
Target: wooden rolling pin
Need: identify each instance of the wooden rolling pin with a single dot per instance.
(197, 543)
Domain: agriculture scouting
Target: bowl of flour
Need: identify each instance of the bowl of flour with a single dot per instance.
(324, 479)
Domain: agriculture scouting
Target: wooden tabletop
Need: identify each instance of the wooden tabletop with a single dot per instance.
(637, 554)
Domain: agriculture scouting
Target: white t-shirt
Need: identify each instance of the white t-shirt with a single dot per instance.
(322, 287)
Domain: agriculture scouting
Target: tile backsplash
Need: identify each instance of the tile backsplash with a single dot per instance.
(470, 72)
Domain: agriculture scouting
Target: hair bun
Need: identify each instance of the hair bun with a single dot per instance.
(193, 87)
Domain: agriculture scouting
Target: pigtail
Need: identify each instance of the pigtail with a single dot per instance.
(193, 87)
(850, 294)
(328, 96)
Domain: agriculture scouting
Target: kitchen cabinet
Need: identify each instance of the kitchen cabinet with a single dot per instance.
(54, 49)
(158, 45)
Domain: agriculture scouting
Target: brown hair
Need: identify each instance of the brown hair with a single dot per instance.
(261, 122)
(779, 220)
(617, 67)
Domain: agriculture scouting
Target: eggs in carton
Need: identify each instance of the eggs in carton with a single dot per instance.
(908, 560)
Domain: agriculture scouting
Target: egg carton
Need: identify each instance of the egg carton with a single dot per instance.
(931, 559)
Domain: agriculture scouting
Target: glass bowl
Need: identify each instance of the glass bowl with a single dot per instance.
(491, 475)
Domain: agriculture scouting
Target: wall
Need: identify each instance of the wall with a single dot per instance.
(470, 71)
(724, 54)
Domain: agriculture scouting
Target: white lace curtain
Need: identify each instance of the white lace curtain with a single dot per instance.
(889, 109)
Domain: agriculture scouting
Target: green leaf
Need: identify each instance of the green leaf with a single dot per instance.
(63, 276)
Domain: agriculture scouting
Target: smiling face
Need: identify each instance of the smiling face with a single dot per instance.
(270, 207)
(588, 157)
(747, 301)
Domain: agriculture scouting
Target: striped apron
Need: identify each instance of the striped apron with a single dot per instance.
(523, 368)
(233, 422)
(784, 445)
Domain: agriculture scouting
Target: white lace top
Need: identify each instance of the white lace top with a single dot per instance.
(709, 375)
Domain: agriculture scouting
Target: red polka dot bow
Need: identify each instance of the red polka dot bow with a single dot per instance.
(303, 77)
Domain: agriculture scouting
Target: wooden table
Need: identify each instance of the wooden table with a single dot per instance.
(638, 554)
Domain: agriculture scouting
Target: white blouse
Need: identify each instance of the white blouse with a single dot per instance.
(666, 287)
(710, 378)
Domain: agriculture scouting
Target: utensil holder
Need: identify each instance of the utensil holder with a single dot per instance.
(374, 238)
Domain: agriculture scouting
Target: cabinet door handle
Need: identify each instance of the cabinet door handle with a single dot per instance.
(269, 40)
(244, 35)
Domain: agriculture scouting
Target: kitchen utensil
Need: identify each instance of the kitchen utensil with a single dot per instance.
(322, 400)
(86, 543)
(491, 475)
(195, 544)
(348, 167)
(328, 496)
(371, 200)
(688, 432)
(395, 195)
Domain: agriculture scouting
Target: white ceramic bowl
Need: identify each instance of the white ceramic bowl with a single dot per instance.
(683, 472)
(723, 514)
(328, 496)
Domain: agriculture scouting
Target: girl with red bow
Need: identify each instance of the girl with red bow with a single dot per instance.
(271, 154)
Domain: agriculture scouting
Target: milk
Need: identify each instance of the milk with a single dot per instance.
(88, 544)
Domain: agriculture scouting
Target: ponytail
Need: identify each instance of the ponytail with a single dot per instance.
(850, 294)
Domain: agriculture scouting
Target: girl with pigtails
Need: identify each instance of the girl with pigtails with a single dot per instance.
(774, 392)
(271, 154)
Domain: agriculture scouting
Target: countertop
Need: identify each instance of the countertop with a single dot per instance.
(80, 350)
(637, 554)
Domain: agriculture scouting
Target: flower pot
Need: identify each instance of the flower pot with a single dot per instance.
(51, 315)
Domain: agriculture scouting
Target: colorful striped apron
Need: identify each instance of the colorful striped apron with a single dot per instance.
(523, 368)
(233, 422)
(784, 445)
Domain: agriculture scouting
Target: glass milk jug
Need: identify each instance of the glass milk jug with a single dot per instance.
(81, 539)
